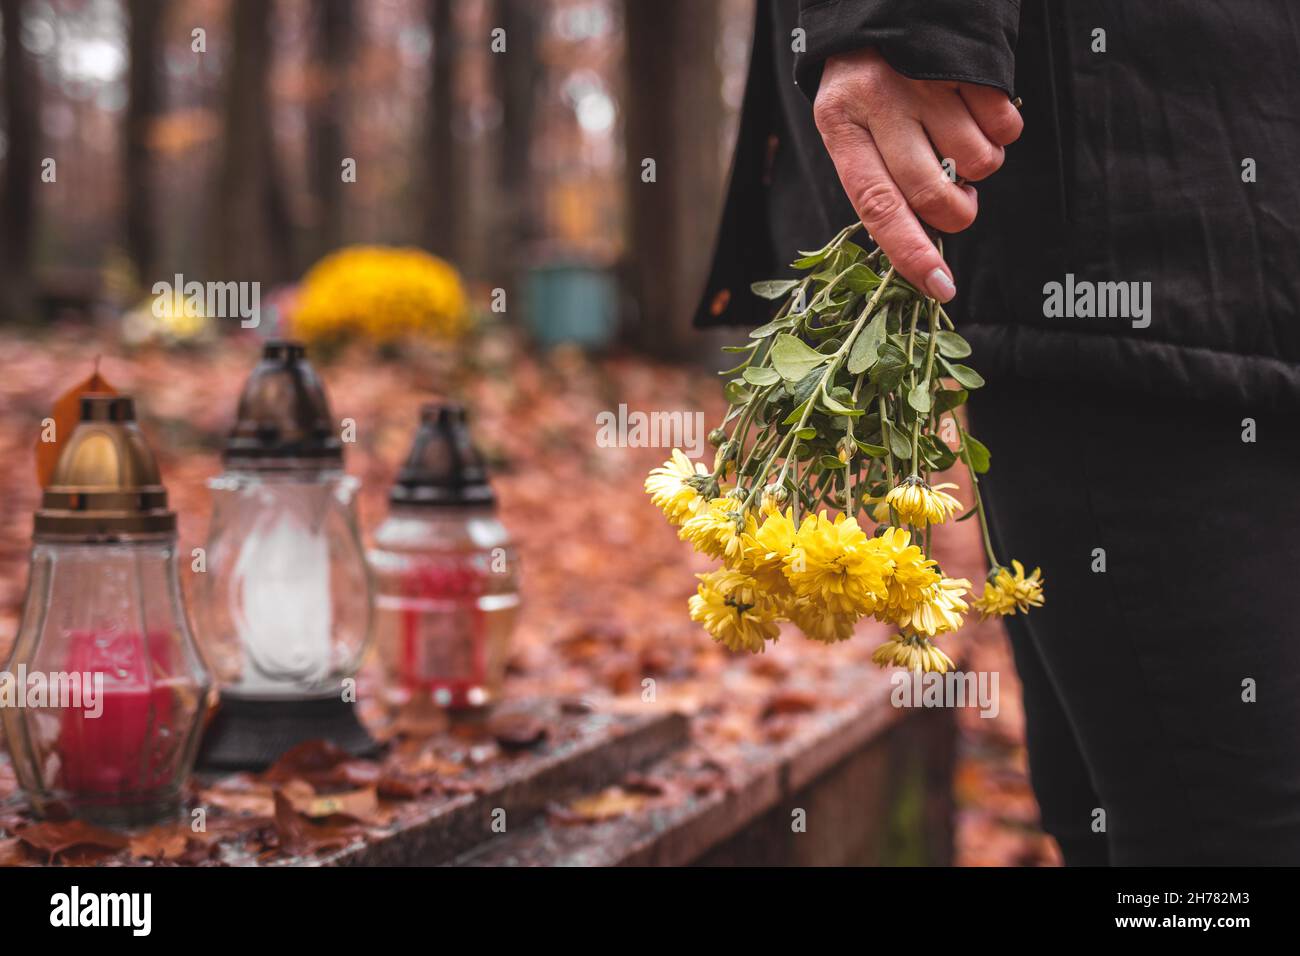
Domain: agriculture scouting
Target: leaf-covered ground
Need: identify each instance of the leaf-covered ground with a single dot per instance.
(605, 580)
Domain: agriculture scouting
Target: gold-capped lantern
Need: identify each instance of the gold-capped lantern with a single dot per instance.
(106, 686)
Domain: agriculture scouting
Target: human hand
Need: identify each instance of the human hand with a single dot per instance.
(883, 130)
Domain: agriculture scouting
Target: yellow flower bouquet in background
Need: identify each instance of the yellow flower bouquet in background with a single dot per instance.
(820, 503)
(380, 294)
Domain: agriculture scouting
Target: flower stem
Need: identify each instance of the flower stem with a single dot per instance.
(979, 499)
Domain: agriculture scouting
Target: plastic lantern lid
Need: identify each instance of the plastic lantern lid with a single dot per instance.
(106, 483)
(444, 468)
(284, 419)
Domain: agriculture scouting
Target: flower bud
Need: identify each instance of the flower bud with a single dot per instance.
(776, 496)
(717, 437)
(846, 449)
(725, 454)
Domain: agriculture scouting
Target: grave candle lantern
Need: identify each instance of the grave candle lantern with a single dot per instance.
(284, 605)
(107, 686)
(445, 570)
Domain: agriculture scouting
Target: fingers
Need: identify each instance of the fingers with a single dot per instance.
(910, 158)
(958, 137)
(997, 118)
(884, 211)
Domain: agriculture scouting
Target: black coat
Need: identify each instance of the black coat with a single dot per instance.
(1132, 168)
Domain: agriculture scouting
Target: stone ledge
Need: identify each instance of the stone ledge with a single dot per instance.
(614, 746)
(764, 779)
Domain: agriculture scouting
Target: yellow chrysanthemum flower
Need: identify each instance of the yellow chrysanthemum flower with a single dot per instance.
(939, 610)
(720, 530)
(819, 623)
(914, 653)
(764, 552)
(834, 562)
(381, 293)
(878, 509)
(668, 487)
(1010, 591)
(916, 503)
(911, 574)
(734, 610)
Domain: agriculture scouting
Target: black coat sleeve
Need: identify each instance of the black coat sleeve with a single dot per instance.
(972, 41)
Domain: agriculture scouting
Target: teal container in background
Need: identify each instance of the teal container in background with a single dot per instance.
(571, 302)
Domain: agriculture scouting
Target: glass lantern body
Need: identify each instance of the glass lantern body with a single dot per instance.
(446, 602)
(105, 623)
(284, 608)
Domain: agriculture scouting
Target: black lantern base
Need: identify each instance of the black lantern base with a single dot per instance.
(253, 734)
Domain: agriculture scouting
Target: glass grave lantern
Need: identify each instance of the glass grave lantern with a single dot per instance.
(445, 572)
(284, 606)
(111, 737)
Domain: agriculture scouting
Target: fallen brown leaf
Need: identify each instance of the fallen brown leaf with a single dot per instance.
(361, 805)
(66, 413)
(161, 843)
(54, 838)
(12, 853)
(289, 825)
(295, 834)
(606, 805)
(790, 702)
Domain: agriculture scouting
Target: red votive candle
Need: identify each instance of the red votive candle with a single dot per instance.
(129, 749)
(444, 652)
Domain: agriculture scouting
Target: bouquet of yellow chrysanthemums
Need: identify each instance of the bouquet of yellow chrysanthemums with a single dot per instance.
(382, 294)
(840, 407)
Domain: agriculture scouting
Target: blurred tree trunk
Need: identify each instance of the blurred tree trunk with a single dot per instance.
(22, 174)
(442, 180)
(519, 77)
(673, 111)
(250, 217)
(143, 106)
(333, 52)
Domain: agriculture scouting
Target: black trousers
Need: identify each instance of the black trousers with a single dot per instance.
(1162, 678)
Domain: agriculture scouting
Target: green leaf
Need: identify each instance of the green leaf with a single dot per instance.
(976, 454)
(951, 344)
(866, 347)
(948, 399)
(870, 450)
(793, 358)
(797, 414)
(761, 376)
(860, 279)
(837, 408)
(735, 391)
(937, 453)
(853, 250)
(830, 461)
(775, 288)
(898, 442)
(802, 390)
(918, 396)
(776, 325)
(809, 259)
(805, 434)
(889, 370)
(964, 374)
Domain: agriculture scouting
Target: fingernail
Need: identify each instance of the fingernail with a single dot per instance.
(939, 285)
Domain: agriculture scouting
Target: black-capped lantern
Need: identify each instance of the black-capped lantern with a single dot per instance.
(284, 606)
(445, 572)
(106, 688)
